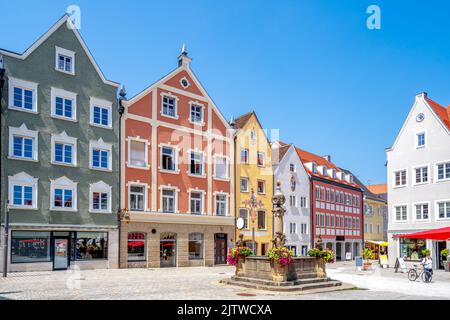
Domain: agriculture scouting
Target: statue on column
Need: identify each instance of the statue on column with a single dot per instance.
(278, 201)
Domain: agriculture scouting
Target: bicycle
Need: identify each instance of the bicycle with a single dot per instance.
(414, 273)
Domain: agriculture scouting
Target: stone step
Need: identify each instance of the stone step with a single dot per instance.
(300, 287)
(281, 284)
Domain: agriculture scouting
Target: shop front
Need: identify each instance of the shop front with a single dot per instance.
(377, 247)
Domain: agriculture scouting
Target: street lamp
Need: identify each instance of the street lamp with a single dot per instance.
(253, 204)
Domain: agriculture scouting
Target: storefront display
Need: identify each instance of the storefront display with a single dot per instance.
(412, 248)
(30, 246)
(136, 246)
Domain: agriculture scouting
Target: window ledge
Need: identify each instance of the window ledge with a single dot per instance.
(399, 187)
(147, 167)
(442, 180)
(170, 171)
(168, 116)
(63, 164)
(421, 183)
(63, 210)
(13, 207)
(109, 127)
(222, 179)
(54, 116)
(23, 110)
(196, 175)
(65, 72)
(100, 169)
(99, 211)
(22, 159)
(198, 124)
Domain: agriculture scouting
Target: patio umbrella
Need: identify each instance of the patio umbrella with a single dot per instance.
(433, 234)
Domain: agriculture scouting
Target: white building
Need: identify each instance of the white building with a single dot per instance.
(418, 169)
(296, 187)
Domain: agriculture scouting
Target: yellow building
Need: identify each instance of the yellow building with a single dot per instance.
(254, 182)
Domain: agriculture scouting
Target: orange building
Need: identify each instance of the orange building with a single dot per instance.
(177, 175)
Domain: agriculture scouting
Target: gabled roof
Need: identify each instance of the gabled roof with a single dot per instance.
(240, 121)
(378, 188)
(282, 151)
(64, 19)
(442, 112)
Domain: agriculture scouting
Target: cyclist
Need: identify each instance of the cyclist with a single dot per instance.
(427, 263)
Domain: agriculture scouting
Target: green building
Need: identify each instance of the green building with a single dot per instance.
(59, 155)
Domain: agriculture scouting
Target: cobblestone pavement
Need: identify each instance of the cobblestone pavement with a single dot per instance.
(200, 283)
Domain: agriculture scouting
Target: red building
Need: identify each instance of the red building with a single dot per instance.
(336, 204)
(177, 175)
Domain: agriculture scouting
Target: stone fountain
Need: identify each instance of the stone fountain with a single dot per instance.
(260, 272)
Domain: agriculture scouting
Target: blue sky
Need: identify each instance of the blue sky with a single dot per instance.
(310, 68)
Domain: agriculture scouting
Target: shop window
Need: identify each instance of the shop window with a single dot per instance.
(92, 245)
(136, 246)
(29, 246)
(412, 248)
(195, 246)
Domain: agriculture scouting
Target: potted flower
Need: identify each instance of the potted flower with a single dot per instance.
(326, 255)
(445, 253)
(236, 257)
(281, 258)
(367, 255)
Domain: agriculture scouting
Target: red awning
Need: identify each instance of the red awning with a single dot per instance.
(433, 234)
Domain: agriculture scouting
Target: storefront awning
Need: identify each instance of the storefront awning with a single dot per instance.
(378, 243)
(433, 234)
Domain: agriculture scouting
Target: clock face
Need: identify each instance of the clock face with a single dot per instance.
(420, 117)
(240, 223)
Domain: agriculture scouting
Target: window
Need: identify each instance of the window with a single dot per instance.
(304, 228)
(169, 106)
(244, 156)
(261, 159)
(63, 104)
(22, 191)
(196, 202)
(30, 246)
(422, 211)
(100, 155)
(293, 201)
(443, 171)
(101, 113)
(221, 168)
(168, 200)
(421, 175)
(261, 219)
(292, 167)
(136, 246)
(221, 204)
(243, 213)
(168, 159)
(196, 114)
(92, 245)
(412, 248)
(65, 60)
(138, 156)
(22, 95)
(261, 187)
(443, 209)
(196, 163)
(371, 227)
(137, 198)
(292, 228)
(401, 213)
(63, 194)
(400, 178)
(303, 202)
(244, 184)
(195, 246)
(23, 143)
(420, 140)
(64, 149)
(378, 228)
(366, 229)
(100, 197)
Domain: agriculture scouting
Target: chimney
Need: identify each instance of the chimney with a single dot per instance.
(183, 59)
(327, 157)
(422, 95)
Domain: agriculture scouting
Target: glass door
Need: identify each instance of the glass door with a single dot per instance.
(60, 253)
(220, 248)
(167, 253)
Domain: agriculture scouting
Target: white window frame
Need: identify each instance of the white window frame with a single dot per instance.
(292, 228)
(138, 184)
(394, 213)
(265, 219)
(202, 201)
(436, 179)
(414, 182)
(68, 53)
(202, 157)
(246, 227)
(102, 146)
(65, 95)
(170, 95)
(24, 132)
(416, 139)
(306, 228)
(248, 156)
(293, 203)
(406, 177)
(175, 160)
(303, 202)
(104, 104)
(264, 159)
(22, 84)
(63, 183)
(248, 184)
(292, 165)
(202, 107)
(436, 210)
(227, 167)
(175, 201)
(100, 187)
(226, 204)
(65, 139)
(414, 215)
(128, 162)
(264, 184)
(25, 180)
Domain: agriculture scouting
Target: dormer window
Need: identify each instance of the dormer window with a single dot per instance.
(65, 60)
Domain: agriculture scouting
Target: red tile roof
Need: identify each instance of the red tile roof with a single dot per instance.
(442, 112)
(378, 188)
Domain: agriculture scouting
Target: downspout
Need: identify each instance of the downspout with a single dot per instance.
(121, 110)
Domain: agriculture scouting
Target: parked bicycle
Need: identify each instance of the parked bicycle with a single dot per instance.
(419, 272)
